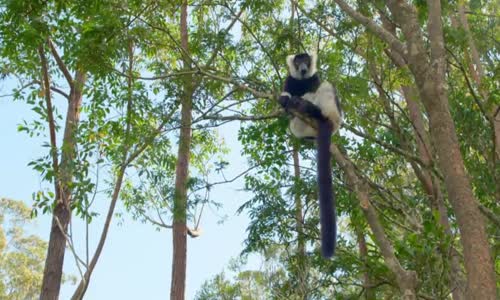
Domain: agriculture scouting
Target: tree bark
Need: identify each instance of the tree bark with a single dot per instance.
(301, 250)
(430, 182)
(52, 274)
(431, 82)
(432, 186)
(178, 283)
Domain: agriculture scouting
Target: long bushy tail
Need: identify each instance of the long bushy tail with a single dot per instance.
(325, 187)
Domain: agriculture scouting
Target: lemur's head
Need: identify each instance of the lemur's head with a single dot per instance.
(301, 66)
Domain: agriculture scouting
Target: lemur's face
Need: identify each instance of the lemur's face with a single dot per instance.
(302, 63)
(301, 66)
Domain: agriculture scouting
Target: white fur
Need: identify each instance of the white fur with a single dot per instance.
(286, 94)
(324, 98)
(291, 67)
(295, 73)
(314, 59)
(301, 129)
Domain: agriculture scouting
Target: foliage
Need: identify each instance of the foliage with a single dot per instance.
(131, 53)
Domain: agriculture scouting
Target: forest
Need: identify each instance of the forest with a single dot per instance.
(139, 111)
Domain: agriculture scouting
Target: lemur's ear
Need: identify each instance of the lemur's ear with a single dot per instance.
(289, 62)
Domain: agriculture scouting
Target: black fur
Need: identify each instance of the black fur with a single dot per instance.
(325, 188)
(327, 212)
(298, 87)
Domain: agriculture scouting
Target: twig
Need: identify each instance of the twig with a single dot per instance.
(78, 260)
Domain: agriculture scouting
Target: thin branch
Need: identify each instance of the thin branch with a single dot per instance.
(50, 120)
(241, 86)
(210, 185)
(494, 218)
(78, 260)
(59, 91)
(257, 40)
(383, 34)
(82, 286)
(386, 145)
(160, 224)
(163, 76)
(460, 67)
(273, 115)
(60, 63)
(226, 31)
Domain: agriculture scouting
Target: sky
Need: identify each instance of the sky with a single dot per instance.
(136, 260)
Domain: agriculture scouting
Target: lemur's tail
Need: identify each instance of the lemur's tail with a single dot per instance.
(325, 187)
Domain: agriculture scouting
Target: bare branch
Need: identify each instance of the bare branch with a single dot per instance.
(78, 260)
(160, 224)
(50, 120)
(494, 218)
(60, 63)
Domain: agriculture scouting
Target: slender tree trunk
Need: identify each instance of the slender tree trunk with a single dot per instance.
(177, 289)
(52, 274)
(363, 254)
(301, 249)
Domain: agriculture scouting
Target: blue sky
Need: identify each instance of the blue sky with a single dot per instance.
(136, 260)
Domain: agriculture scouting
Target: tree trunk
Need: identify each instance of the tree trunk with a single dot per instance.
(363, 254)
(52, 274)
(177, 288)
(431, 82)
(430, 182)
(301, 250)
(432, 186)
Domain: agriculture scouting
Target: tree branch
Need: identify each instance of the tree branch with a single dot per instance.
(60, 63)
(50, 120)
(238, 84)
(273, 115)
(406, 279)
(383, 34)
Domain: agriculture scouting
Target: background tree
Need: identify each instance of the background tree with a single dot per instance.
(21, 255)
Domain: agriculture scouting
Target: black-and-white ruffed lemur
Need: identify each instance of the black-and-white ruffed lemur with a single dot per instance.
(303, 82)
